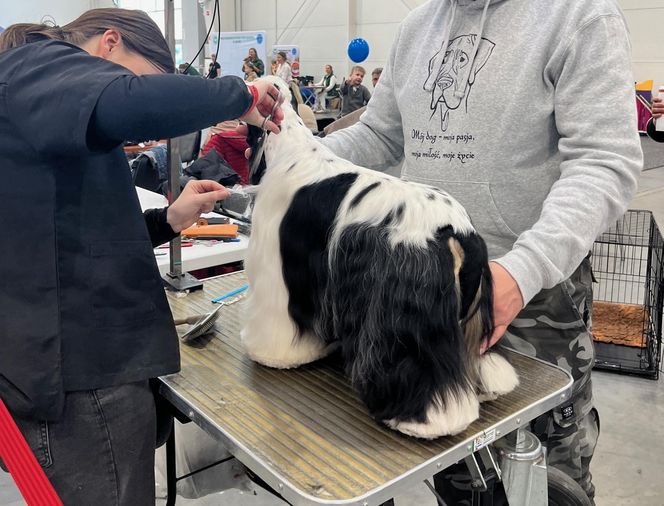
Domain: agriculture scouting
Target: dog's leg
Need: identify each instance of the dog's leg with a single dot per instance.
(497, 376)
(452, 417)
(269, 334)
(270, 339)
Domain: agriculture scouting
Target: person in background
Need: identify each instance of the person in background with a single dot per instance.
(295, 68)
(657, 112)
(329, 89)
(255, 62)
(76, 366)
(190, 70)
(354, 94)
(214, 69)
(375, 75)
(498, 106)
(249, 72)
(231, 146)
(283, 69)
(353, 117)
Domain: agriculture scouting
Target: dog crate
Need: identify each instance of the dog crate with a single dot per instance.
(628, 267)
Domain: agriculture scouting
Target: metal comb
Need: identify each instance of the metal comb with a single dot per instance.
(201, 325)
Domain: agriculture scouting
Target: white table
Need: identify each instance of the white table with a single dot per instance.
(203, 253)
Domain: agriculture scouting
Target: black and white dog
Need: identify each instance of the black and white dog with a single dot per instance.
(391, 271)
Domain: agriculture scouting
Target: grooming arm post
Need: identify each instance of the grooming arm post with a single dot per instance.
(175, 278)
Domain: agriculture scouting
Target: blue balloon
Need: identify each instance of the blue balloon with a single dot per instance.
(358, 50)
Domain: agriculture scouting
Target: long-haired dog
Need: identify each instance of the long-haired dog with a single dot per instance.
(391, 271)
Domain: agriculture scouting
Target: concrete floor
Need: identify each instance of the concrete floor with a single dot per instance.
(628, 464)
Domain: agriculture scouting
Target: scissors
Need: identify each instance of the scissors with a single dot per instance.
(260, 143)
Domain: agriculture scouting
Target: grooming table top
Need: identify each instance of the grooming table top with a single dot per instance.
(306, 433)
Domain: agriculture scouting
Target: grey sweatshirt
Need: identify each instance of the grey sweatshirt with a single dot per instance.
(533, 129)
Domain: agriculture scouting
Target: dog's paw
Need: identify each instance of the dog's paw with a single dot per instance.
(497, 376)
(458, 412)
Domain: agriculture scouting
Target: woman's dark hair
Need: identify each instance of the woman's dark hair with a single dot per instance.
(140, 34)
(283, 55)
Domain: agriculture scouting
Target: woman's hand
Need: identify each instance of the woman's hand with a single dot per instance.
(507, 302)
(196, 198)
(657, 107)
(267, 105)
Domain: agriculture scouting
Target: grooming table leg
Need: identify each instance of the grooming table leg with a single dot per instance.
(476, 481)
(171, 480)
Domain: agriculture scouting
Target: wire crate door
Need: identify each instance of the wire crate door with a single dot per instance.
(627, 263)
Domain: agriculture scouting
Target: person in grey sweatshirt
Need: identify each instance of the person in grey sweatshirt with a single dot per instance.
(496, 102)
(657, 112)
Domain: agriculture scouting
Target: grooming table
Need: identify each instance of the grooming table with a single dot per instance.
(305, 432)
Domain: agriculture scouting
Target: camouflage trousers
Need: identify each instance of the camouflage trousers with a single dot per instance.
(554, 327)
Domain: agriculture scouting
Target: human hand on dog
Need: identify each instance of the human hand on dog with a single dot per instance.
(196, 198)
(268, 103)
(507, 303)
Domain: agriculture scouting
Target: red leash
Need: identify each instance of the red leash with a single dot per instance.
(22, 464)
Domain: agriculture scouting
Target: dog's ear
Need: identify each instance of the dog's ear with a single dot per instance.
(255, 139)
(476, 287)
(253, 136)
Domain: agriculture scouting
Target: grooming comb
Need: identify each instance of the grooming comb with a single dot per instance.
(201, 325)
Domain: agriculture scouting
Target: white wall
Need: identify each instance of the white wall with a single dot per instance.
(645, 19)
(323, 29)
(33, 11)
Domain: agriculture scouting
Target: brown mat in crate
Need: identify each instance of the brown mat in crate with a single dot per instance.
(618, 323)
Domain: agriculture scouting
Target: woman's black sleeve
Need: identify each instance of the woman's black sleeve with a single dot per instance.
(163, 106)
(159, 229)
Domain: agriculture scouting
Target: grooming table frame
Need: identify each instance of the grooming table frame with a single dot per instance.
(304, 431)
